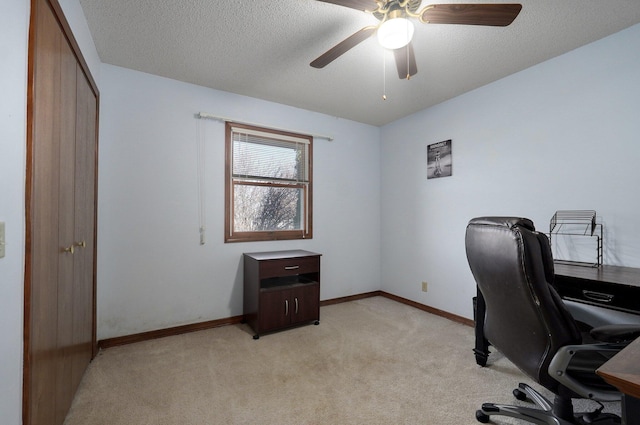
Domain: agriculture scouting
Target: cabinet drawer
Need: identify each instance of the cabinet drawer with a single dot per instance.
(613, 296)
(289, 266)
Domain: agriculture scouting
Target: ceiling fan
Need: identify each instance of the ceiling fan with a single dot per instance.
(395, 29)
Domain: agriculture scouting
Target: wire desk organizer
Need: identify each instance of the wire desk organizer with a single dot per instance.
(576, 223)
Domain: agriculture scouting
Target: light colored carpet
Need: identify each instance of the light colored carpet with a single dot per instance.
(372, 361)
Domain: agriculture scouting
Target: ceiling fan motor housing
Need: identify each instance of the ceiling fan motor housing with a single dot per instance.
(396, 8)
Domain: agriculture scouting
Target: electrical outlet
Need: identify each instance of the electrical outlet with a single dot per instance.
(424, 286)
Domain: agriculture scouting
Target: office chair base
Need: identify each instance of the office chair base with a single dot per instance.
(543, 414)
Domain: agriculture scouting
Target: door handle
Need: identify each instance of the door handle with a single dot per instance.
(286, 307)
(296, 300)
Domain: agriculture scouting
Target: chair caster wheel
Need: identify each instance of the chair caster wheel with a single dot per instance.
(482, 417)
(519, 394)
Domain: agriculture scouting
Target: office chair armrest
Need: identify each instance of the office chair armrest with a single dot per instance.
(616, 333)
(560, 362)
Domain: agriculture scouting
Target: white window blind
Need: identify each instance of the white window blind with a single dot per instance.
(263, 156)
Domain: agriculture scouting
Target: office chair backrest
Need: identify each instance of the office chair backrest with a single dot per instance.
(525, 318)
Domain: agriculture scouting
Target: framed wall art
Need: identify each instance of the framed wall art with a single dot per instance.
(439, 159)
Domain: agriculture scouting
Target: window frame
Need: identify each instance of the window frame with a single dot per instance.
(230, 235)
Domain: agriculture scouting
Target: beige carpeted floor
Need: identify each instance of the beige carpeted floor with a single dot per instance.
(372, 361)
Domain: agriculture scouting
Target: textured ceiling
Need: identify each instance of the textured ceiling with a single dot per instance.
(262, 49)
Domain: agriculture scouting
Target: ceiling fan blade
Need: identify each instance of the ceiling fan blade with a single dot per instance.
(369, 5)
(342, 47)
(406, 64)
(497, 15)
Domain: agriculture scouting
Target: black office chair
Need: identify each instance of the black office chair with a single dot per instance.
(527, 322)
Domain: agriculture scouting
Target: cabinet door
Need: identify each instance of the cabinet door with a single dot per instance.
(305, 303)
(275, 309)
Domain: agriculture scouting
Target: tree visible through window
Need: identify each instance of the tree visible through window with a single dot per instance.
(268, 184)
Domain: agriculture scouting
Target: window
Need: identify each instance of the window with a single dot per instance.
(268, 184)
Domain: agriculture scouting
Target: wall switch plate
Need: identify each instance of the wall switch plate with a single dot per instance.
(424, 286)
(2, 239)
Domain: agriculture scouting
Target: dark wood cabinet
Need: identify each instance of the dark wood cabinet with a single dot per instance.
(281, 289)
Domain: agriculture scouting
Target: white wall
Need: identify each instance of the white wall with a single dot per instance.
(152, 271)
(14, 21)
(561, 135)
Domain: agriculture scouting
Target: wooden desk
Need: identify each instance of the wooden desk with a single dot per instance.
(612, 287)
(623, 372)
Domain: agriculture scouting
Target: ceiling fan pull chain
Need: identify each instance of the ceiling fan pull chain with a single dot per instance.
(408, 44)
(384, 76)
(408, 69)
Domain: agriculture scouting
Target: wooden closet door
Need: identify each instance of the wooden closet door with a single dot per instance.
(61, 205)
(41, 328)
(66, 227)
(84, 230)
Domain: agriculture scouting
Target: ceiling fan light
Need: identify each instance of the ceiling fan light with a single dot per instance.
(395, 33)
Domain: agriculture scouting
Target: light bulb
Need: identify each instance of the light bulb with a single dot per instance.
(395, 33)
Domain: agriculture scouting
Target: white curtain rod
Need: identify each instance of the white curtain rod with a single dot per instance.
(204, 115)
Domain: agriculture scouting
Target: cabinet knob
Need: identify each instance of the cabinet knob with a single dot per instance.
(69, 249)
(82, 244)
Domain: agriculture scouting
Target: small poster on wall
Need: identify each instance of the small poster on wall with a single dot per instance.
(439, 160)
